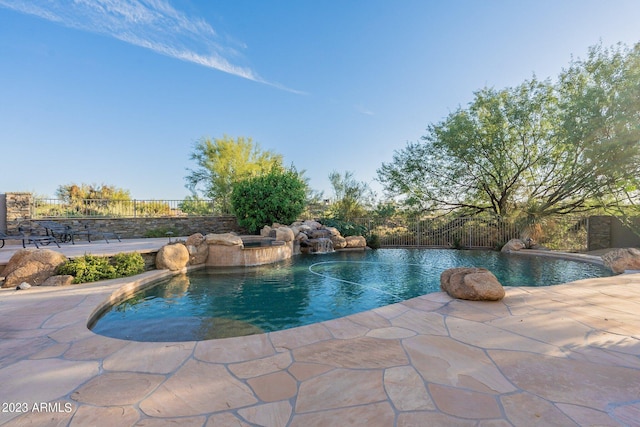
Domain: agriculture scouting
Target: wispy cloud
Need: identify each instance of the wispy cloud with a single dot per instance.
(363, 110)
(151, 24)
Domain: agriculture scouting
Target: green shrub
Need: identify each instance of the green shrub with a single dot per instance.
(278, 196)
(345, 228)
(88, 268)
(373, 241)
(128, 264)
(91, 268)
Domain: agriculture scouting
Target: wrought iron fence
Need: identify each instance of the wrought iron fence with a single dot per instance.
(105, 208)
(565, 233)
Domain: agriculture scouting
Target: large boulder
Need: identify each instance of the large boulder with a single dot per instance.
(32, 266)
(172, 257)
(225, 239)
(339, 242)
(266, 231)
(283, 233)
(198, 249)
(620, 260)
(513, 245)
(356, 242)
(470, 283)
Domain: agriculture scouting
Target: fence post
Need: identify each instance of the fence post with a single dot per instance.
(135, 207)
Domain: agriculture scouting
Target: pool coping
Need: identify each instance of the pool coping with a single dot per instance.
(430, 359)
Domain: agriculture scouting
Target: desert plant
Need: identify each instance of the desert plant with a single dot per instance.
(91, 268)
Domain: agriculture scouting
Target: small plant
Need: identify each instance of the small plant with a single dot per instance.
(373, 241)
(91, 268)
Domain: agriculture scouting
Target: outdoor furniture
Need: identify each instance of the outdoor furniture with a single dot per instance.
(32, 237)
(65, 233)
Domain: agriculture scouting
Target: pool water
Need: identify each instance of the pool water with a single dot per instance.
(217, 303)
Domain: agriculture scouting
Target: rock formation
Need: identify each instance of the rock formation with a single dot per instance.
(32, 266)
(172, 257)
(513, 245)
(470, 283)
(620, 260)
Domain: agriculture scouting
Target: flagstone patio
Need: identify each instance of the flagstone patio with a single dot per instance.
(567, 355)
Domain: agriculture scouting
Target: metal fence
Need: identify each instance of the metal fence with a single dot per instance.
(565, 233)
(105, 208)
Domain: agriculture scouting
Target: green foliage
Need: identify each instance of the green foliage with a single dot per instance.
(535, 150)
(346, 228)
(91, 268)
(351, 197)
(225, 161)
(160, 232)
(128, 264)
(73, 192)
(278, 196)
(373, 241)
(194, 205)
(88, 268)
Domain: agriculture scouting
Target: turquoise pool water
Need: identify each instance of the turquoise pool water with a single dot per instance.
(216, 303)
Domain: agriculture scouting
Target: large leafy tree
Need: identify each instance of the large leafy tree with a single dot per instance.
(224, 161)
(536, 149)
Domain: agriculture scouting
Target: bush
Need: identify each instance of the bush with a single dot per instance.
(373, 241)
(91, 268)
(345, 228)
(278, 196)
(128, 264)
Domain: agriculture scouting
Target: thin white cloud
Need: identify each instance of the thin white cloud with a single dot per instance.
(151, 24)
(363, 110)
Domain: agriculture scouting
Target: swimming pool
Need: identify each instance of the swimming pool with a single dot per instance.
(222, 302)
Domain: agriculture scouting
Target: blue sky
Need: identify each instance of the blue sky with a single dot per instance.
(118, 91)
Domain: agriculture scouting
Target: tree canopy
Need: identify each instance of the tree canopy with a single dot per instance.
(537, 149)
(224, 161)
(351, 196)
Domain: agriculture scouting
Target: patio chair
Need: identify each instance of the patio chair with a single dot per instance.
(31, 236)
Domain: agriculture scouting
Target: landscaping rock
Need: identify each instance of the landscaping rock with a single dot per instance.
(61, 280)
(23, 286)
(339, 242)
(266, 231)
(172, 257)
(356, 242)
(470, 283)
(620, 260)
(226, 239)
(33, 266)
(513, 245)
(283, 233)
(198, 249)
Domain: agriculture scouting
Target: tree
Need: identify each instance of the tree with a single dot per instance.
(537, 149)
(225, 161)
(71, 193)
(351, 197)
(277, 196)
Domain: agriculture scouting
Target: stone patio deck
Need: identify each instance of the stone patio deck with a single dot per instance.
(565, 355)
